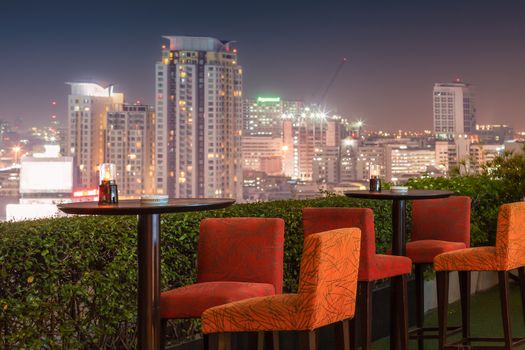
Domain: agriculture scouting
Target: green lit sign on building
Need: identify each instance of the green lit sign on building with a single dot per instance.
(268, 99)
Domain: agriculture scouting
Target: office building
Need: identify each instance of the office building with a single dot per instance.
(348, 156)
(402, 162)
(199, 106)
(326, 165)
(130, 145)
(263, 117)
(454, 110)
(481, 154)
(492, 133)
(368, 155)
(258, 151)
(88, 104)
(304, 135)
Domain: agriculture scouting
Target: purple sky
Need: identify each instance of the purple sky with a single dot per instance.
(396, 51)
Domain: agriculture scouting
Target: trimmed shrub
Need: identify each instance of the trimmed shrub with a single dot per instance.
(70, 283)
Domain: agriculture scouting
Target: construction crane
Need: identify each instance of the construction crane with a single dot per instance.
(332, 80)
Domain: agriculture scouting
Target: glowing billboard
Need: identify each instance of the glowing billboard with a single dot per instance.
(46, 175)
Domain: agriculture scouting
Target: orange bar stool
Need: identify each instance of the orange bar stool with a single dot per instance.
(372, 267)
(238, 258)
(326, 295)
(508, 254)
(438, 226)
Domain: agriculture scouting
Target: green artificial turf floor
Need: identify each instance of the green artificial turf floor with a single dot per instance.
(485, 318)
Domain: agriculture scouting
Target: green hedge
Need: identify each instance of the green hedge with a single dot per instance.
(70, 283)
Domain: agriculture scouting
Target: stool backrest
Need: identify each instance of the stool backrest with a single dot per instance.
(324, 219)
(328, 277)
(444, 219)
(241, 250)
(510, 236)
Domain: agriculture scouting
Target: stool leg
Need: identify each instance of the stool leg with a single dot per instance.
(271, 340)
(403, 312)
(521, 272)
(163, 327)
(352, 324)
(211, 341)
(366, 315)
(308, 340)
(254, 340)
(442, 278)
(503, 277)
(342, 336)
(420, 304)
(464, 287)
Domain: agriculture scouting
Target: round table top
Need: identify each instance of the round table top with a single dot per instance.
(136, 207)
(410, 194)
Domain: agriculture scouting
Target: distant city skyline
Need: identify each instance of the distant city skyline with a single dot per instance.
(396, 53)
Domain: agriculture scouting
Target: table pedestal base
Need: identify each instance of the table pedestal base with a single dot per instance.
(398, 327)
(149, 282)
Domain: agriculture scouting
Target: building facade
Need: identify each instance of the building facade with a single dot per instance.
(199, 119)
(130, 145)
(88, 105)
(263, 117)
(454, 111)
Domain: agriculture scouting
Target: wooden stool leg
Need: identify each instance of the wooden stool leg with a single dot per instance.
(420, 304)
(503, 277)
(521, 272)
(352, 324)
(342, 335)
(464, 287)
(223, 341)
(403, 312)
(366, 315)
(394, 327)
(442, 278)
(254, 340)
(163, 327)
(211, 341)
(271, 340)
(308, 340)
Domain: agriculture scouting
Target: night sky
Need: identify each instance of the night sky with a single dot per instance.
(396, 51)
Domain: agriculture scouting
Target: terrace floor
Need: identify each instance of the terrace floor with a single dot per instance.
(485, 317)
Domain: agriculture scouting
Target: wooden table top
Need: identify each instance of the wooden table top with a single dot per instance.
(409, 195)
(136, 207)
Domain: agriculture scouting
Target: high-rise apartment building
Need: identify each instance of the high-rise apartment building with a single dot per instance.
(454, 111)
(130, 145)
(198, 86)
(88, 105)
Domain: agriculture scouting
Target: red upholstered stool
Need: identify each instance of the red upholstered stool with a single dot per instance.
(238, 258)
(438, 226)
(372, 266)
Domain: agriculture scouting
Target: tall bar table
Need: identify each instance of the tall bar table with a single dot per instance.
(148, 323)
(399, 200)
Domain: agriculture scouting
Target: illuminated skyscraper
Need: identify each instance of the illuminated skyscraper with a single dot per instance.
(130, 145)
(198, 86)
(88, 104)
(454, 111)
